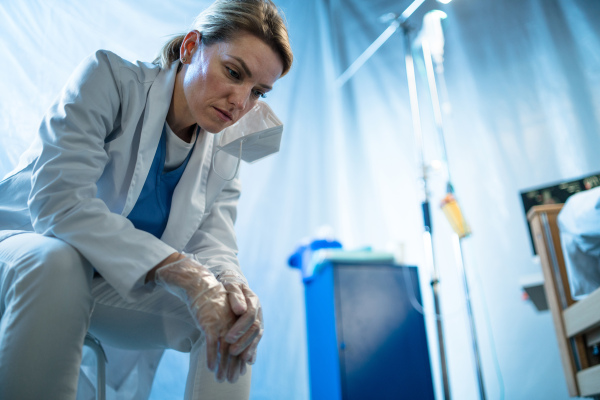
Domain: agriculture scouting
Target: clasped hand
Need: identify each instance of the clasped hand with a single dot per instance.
(247, 331)
(227, 312)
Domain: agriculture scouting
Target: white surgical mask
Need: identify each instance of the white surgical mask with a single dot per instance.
(255, 136)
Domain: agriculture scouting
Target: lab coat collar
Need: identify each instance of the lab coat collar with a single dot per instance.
(189, 198)
(155, 114)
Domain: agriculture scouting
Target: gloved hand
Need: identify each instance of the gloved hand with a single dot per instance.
(245, 334)
(207, 301)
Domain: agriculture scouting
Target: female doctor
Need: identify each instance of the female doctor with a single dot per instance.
(115, 221)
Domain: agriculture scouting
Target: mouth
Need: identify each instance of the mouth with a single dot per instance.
(224, 115)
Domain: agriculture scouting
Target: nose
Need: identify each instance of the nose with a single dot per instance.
(239, 97)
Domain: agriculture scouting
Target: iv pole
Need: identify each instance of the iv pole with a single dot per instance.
(427, 226)
(461, 230)
(396, 23)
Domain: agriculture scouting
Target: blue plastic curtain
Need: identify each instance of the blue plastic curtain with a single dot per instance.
(523, 82)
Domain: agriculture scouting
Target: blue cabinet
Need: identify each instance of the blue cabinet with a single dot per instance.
(365, 338)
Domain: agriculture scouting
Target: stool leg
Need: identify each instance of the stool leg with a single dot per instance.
(94, 344)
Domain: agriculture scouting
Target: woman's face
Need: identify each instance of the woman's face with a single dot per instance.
(225, 80)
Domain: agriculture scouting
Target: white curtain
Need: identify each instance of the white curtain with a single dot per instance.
(523, 81)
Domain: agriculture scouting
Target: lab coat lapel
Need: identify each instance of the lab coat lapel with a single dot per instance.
(155, 114)
(189, 198)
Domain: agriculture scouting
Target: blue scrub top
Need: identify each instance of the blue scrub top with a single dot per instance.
(151, 211)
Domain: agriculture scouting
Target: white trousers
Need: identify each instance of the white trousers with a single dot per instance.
(47, 295)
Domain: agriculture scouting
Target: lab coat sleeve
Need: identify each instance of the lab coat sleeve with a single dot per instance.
(63, 201)
(214, 243)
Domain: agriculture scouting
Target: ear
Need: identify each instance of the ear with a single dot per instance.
(191, 42)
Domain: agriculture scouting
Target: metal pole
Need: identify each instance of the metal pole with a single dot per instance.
(396, 22)
(429, 254)
(460, 263)
(93, 343)
(435, 102)
(457, 241)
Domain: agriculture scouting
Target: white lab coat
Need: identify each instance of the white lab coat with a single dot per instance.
(89, 163)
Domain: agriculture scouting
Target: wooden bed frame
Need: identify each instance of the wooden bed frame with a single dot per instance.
(577, 323)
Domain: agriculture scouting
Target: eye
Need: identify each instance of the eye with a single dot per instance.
(233, 73)
(258, 93)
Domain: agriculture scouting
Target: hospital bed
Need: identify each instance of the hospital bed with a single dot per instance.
(577, 323)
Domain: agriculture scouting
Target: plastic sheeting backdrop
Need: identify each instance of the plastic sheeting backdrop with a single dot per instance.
(524, 84)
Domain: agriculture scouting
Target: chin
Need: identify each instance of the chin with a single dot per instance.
(212, 127)
(209, 130)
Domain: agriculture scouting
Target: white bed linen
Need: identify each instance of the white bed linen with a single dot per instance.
(579, 223)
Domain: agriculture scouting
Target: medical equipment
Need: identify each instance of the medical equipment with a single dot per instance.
(454, 215)
(396, 22)
(254, 137)
(555, 193)
(360, 347)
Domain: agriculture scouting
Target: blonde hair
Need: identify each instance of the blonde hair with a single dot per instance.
(225, 19)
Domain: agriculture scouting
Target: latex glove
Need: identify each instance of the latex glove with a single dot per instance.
(246, 333)
(207, 301)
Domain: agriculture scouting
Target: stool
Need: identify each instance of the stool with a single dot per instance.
(93, 343)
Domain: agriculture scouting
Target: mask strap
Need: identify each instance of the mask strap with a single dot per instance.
(237, 167)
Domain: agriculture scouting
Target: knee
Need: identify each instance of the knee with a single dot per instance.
(52, 267)
(60, 261)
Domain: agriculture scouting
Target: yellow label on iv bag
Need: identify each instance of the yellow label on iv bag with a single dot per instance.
(452, 211)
